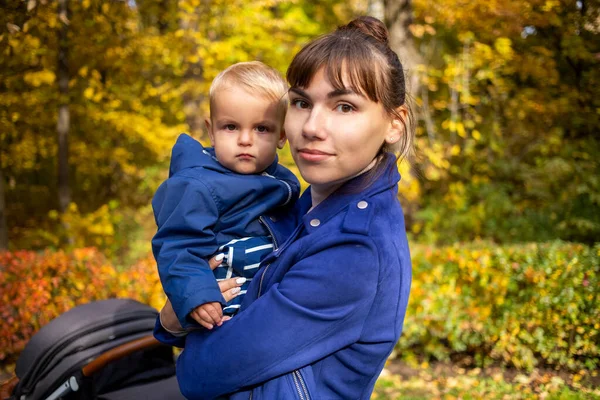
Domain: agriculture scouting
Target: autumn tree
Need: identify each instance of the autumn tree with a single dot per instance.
(510, 87)
(138, 74)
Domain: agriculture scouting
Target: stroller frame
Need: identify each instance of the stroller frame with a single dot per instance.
(95, 351)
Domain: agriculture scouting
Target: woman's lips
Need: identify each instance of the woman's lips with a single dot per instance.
(313, 155)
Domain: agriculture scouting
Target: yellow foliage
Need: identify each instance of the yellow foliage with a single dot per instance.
(36, 79)
(504, 47)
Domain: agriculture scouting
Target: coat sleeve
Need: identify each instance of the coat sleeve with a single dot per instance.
(185, 214)
(318, 308)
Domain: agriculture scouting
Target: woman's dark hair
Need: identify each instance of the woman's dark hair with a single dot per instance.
(359, 52)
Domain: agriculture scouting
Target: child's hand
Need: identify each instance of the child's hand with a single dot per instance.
(208, 314)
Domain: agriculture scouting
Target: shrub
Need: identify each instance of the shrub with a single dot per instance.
(37, 287)
(518, 305)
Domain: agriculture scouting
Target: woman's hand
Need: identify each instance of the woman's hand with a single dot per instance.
(208, 314)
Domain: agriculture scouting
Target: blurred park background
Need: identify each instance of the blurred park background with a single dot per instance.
(502, 200)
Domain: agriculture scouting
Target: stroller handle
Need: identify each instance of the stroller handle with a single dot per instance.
(118, 352)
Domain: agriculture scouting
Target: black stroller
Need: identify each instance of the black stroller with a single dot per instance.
(101, 350)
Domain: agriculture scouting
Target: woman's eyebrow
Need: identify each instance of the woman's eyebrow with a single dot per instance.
(342, 92)
(333, 93)
(299, 92)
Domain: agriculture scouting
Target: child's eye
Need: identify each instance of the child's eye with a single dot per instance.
(262, 128)
(344, 108)
(299, 103)
(229, 127)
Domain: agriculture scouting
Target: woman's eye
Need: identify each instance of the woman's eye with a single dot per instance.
(299, 103)
(229, 127)
(262, 128)
(345, 108)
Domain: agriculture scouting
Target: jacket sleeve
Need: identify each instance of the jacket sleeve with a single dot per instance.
(319, 307)
(185, 214)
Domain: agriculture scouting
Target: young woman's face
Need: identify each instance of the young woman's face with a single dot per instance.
(335, 135)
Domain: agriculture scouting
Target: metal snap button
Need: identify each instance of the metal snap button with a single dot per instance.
(315, 222)
(362, 205)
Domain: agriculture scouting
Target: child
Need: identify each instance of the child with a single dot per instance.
(214, 197)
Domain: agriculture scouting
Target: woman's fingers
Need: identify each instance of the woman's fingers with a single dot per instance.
(216, 261)
(230, 288)
(231, 293)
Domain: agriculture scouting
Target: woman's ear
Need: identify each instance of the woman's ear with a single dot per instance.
(210, 132)
(397, 125)
(282, 139)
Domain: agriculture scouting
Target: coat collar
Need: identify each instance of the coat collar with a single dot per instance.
(349, 193)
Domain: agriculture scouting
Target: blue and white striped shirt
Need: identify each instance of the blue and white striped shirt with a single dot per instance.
(242, 259)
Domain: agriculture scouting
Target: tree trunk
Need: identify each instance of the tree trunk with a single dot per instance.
(194, 75)
(398, 15)
(62, 126)
(3, 226)
(375, 9)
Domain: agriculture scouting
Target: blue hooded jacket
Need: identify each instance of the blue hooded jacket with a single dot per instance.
(323, 313)
(204, 205)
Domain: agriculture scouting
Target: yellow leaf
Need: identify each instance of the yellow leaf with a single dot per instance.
(460, 129)
(88, 93)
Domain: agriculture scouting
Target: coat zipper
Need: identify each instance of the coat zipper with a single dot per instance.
(262, 220)
(298, 380)
(289, 188)
(302, 387)
(266, 268)
(275, 247)
(297, 385)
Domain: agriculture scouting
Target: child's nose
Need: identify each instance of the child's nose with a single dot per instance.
(245, 138)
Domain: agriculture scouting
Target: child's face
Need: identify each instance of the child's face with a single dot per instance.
(245, 130)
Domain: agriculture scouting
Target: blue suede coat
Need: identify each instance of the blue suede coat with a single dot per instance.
(202, 206)
(323, 313)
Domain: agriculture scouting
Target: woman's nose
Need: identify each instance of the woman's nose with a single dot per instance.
(315, 125)
(245, 138)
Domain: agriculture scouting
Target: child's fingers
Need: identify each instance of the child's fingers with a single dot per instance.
(199, 318)
(215, 311)
(208, 315)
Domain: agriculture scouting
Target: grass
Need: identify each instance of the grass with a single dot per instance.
(447, 381)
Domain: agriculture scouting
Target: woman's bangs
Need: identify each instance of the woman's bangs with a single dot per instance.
(351, 68)
(306, 64)
(347, 66)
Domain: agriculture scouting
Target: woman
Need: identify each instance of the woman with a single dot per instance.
(327, 308)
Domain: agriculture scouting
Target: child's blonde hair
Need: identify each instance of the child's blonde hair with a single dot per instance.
(254, 77)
